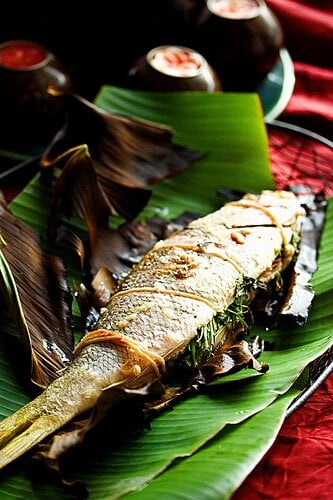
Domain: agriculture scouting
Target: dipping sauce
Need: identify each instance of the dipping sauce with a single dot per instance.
(234, 9)
(22, 55)
(176, 61)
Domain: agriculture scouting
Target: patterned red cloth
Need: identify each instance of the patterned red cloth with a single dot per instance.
(300, 464)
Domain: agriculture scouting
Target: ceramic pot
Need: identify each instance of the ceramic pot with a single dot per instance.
(29, 114)
(173, 68)
(241, 39)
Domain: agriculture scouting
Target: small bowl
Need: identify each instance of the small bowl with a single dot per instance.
(241, 39)
(173, 68)
(29, 114)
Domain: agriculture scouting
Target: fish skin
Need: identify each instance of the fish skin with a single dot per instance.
(174, 290)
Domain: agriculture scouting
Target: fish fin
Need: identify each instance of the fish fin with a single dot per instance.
(65, 398)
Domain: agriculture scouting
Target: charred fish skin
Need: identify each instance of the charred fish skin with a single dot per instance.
(179, 286)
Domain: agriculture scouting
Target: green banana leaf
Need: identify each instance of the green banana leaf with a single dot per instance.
(206, 445)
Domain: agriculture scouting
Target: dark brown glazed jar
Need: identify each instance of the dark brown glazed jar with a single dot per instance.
(241, 39)
(173, 68)
(29, 114)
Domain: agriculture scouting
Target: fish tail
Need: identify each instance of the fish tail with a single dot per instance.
(94, 369)
(65, 398)
(23, 430)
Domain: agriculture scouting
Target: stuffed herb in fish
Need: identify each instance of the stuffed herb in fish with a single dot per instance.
(181, 304)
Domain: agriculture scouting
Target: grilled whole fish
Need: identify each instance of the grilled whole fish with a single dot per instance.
(180, 285)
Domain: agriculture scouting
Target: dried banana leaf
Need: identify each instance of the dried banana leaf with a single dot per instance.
(229, 128)
(34, 288)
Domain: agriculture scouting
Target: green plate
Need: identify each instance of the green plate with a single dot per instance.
(277, 88)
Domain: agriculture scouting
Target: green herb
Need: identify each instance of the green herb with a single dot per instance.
(210, 335)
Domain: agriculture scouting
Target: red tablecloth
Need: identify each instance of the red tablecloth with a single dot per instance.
(308, 30)
(300, 463)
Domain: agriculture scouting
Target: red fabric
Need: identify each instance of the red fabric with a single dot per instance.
(308, 28)
(300, 463)
(312, 103)
(308, 32)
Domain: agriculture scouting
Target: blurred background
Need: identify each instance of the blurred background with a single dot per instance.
(97, 42)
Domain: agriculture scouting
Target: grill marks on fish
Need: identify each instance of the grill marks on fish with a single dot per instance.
(175, 290)
(266, 211)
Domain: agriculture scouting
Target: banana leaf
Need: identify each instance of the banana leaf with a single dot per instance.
(207, 445)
